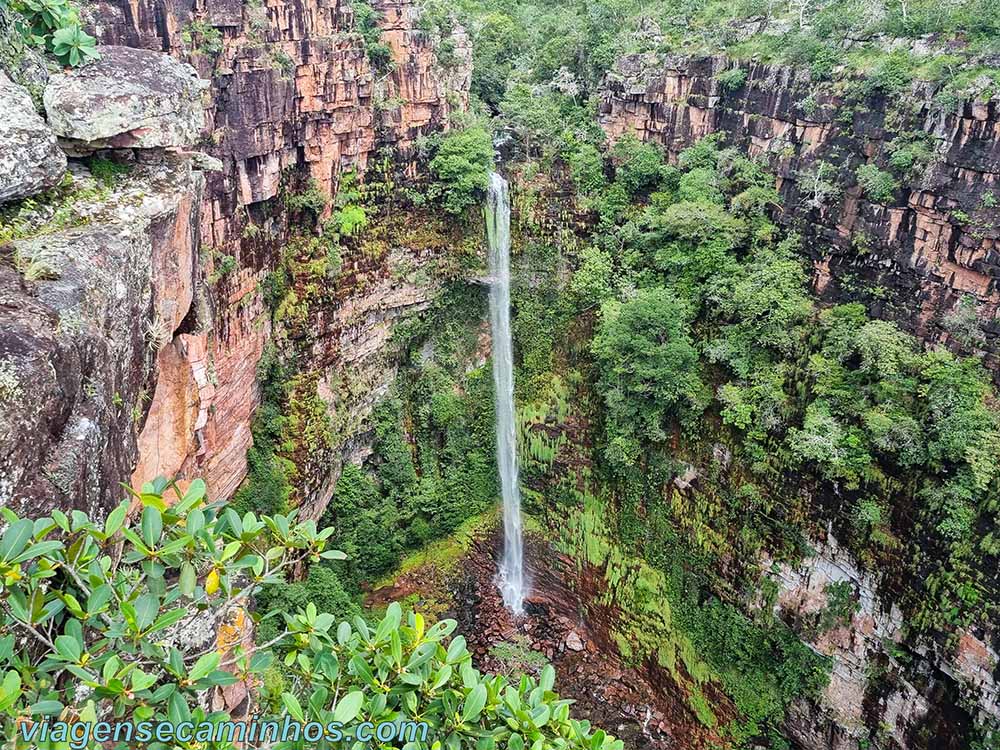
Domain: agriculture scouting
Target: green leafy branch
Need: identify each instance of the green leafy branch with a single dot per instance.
(55, 26)
(104, 610)
(98, 620)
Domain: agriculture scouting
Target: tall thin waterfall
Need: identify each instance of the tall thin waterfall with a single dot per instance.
(498, 231)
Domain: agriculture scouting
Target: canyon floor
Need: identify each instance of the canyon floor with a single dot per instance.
(564, 625)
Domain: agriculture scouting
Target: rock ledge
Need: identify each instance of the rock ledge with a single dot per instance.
(129, 98)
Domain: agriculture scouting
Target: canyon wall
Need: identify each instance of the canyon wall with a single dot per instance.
(883, 685)
(292, 88)
(914, 258)
(100, 276)
(216, 107)
(926, 256)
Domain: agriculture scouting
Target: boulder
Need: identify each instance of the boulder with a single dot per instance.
(129, 98)
(30, 158)
(574, 642)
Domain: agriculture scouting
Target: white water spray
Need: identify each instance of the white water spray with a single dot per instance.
(498, 230)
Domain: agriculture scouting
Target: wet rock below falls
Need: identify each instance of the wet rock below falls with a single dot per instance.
(608, 692)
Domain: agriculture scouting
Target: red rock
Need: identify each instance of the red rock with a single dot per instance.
(261, 116)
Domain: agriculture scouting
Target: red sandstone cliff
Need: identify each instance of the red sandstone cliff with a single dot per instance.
(291, 87)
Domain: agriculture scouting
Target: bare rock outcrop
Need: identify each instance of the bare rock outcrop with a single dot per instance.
(79, 331)
(877, 678)
(21, 62)
(101, 277)
(128, 98)
(30, 157)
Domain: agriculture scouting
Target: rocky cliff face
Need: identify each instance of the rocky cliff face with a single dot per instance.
(292, 88)
(927, 255)
(882, 687)
(101, 275)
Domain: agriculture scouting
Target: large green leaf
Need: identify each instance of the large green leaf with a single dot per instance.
(347, 708)
(15, 539)
(474, 703)
(293, 706)
(204, 666)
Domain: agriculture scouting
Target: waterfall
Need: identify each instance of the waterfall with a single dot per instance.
(511, 577)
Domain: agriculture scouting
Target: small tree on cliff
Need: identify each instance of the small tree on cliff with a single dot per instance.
(461, 167)
(101, 623)
(649, 368)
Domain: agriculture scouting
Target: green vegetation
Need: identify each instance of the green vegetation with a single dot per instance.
(688, 414)
(534, 62)
(517, 656)
(349, 215)
(910, 153)
(73, 203)
(368, 522)
(223, 266)
(413, 494)
(304, 196)
(54, 25)
(721, 298)
(107, 171)
(687, 331)
(104, 622)
(425, 491)
(649, 370)
(879, 186)
(267, 489)
(732, 79)
(97, 601)
(445, 553)
(460, 166)
(366, 20)
(202, 38)
(656, 587)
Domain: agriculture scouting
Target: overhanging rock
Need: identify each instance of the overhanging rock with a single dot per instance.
(129, 98)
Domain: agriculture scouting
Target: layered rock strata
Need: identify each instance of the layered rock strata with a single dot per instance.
(292, 91)
(879, 682)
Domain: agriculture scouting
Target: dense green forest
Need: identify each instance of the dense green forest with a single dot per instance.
(678, 319)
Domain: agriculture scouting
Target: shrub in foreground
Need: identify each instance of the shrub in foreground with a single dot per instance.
(98, 620)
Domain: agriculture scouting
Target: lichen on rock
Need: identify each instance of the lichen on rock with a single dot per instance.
(30, 158)
(75, 339)
(129, 98)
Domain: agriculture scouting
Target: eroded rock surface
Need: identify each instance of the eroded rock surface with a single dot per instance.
(30, 157)
(292, 88)
(876, 678)
(129, 98)
(21, 62)
(80, 327)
